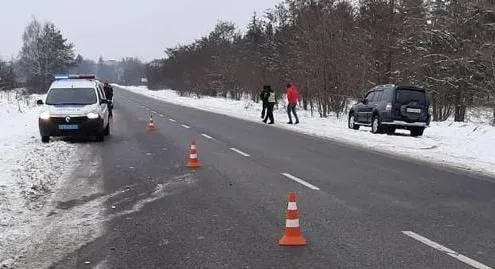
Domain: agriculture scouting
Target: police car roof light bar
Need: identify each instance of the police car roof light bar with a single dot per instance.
(59, 77)
(87, 76)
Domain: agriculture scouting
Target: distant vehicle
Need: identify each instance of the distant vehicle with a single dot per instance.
(389, 107)
(75, 106)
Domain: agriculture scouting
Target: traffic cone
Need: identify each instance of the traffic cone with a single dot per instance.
(151, 125)
(193, 157)
(292, 235)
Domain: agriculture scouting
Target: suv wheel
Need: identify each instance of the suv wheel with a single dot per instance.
(391, 130)
(417, 131)
(376, 125)
(45, 139)
(352, 122)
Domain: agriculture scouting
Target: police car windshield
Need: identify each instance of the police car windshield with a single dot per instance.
(71, 96)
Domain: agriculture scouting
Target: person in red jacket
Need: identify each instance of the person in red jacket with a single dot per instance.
(292, 97)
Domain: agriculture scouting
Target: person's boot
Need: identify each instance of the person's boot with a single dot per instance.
(297, 122)
(290, 122)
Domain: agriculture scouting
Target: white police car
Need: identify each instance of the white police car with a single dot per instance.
(75, 106)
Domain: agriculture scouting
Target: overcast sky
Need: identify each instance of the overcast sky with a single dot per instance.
(118, 28)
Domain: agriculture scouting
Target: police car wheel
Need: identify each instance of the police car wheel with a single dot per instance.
(107, 130)
(45, 139)
(100, 137)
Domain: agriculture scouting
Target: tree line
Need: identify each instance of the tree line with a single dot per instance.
(45, 53)
(127, 71)
(336, 50)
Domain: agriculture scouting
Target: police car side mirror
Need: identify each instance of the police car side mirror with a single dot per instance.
(365, 101)
(39, 102)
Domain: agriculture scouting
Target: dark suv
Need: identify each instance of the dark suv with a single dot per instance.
(389, 107)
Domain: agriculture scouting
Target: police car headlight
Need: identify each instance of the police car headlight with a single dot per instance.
(92, 115)
(45, 115)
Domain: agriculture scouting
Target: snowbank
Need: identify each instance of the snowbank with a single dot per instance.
(29, 171)
(468, 145)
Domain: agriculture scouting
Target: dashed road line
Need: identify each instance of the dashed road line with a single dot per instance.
(240, 152)
(300, 181)
(172, 120)
(154, 112)
(446, 250)
(161, 115)
(207, 136)
(186, 126)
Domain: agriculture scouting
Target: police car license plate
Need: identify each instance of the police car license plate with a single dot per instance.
(413, 110)
(68, 127)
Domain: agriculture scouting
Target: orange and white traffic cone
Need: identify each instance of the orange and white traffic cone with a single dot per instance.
(292, 235)
(151, 125)
(193, 157)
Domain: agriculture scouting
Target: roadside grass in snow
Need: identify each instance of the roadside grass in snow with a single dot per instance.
(29, 170)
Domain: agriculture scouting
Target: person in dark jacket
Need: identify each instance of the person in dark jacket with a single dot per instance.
(264, 99)
(108, 91)
(271, 104)
(109, 95)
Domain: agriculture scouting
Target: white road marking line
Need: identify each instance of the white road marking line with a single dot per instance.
(161, 115)
(172, 120)
(300, 181)
(207, 136)
(152, 111)
(446, 250)
(240, 152)
(186, 126)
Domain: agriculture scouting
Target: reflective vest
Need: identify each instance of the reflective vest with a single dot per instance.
(271, 97)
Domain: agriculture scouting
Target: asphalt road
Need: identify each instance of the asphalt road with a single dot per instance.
(231, 212)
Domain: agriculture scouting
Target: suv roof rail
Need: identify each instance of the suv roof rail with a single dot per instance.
(411, 87)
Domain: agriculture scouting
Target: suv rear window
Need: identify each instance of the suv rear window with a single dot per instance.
(71, 96)
(405, 96)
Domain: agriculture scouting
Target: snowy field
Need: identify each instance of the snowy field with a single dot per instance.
(468, 146)
(29, 173)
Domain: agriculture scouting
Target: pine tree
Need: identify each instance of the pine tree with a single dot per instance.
(45, 52)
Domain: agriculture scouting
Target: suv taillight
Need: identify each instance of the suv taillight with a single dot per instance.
(388, 107)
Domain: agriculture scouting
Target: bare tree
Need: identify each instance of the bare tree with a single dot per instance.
(7, 76)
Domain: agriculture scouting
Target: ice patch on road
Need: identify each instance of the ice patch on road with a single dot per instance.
(161, 190)
(463, 145)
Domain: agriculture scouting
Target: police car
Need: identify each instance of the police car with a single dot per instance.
(75, 105)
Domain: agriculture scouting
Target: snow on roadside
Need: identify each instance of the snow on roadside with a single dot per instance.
(463, 145)
(29, 171)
